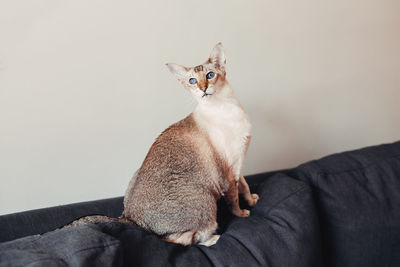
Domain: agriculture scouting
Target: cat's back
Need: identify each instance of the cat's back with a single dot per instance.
(180, 171)
(176, 150)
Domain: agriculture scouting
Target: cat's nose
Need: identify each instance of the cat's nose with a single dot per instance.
(203, 87)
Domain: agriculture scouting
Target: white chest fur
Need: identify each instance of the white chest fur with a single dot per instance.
(228, 127)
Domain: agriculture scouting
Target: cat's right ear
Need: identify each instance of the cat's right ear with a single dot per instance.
(217, 57)
(178, 70)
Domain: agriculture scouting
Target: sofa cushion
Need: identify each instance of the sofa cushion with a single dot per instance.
(282, 230)
(73, 246)
(40, 221)
(358, 199)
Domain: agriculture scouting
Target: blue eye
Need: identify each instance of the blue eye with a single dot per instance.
(192, 80)
(210, 75)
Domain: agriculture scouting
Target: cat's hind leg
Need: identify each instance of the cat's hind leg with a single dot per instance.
(203, 237)
(211, 241)
(185, 238)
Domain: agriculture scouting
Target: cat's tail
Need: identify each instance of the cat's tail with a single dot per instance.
(98, 219)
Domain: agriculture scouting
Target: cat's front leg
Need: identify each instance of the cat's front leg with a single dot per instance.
(232, 198)
(244, 189)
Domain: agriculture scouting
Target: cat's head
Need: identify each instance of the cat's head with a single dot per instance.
(204, 80)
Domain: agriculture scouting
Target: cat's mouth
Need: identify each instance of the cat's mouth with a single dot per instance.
(206, 94)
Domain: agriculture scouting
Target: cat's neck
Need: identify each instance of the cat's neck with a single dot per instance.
(225, 122)
(221, 108)
(224, 98)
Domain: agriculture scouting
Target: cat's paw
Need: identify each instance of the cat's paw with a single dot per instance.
(254, 199)
(244, 213)
(211, 241)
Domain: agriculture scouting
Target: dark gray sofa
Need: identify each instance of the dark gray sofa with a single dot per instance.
(341, 210)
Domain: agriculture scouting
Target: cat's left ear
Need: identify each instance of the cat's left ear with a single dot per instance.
(217, 57)
(178, 70)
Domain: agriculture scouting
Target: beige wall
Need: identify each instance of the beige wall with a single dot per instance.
(84, 90)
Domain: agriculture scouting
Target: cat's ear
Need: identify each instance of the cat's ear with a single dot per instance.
(178, 70)
(217, 57)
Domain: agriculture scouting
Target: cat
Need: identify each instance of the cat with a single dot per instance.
(193, 163)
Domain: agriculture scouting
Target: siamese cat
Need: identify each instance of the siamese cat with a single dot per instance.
(193, 163)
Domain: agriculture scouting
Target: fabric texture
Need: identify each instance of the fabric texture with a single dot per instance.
(80, 246)
(17, 225)
(358, 199)
(282, 230)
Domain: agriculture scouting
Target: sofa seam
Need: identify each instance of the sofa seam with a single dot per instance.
(58, 259)
(245, 247)
(321, 172)
(303, 187)
(117, 242)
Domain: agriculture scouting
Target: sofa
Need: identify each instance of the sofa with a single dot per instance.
(341, 210)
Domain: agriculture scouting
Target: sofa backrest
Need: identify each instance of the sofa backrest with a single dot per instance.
(40, 221)
(358, 200)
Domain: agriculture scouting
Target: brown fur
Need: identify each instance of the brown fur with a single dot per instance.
(198, 68)
(173, 191)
